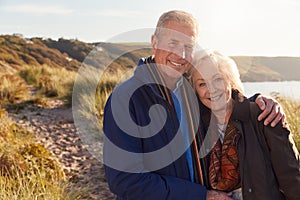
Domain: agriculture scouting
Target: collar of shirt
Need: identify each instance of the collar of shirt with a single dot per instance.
(221, 130)
(178, 85)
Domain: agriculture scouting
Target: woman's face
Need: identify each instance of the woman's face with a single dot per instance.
(211, 86)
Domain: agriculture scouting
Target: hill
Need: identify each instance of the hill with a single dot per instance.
(17, 52)
(258, 68)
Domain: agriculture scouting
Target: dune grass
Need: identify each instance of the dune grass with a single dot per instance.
(49, 81)
(12, 89)
(27, 169)
(107, 83)
(292, 110)
(36, 83)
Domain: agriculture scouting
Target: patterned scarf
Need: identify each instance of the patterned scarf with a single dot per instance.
(224, 171)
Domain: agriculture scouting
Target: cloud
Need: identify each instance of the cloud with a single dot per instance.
(294, 3)
(38, 9)
(114, 13)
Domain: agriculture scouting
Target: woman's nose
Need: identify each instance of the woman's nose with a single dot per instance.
(212, 88)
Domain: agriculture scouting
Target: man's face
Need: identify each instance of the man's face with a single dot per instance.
(173, 49)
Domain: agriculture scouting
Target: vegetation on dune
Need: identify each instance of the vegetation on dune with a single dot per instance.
(35, 83)
(75, 48)
(13, 89)
(27, 169)
(292, 110)
(18, 51)
(49, 81)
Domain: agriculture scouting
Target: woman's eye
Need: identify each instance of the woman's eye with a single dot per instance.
(219, 79)
(202, 84)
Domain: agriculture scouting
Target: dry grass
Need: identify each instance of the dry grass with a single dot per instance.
(49, 81)
(107, 83)
(27, 169)
(13, 89)
(292, 110)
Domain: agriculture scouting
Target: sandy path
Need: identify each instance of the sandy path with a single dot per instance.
(54, 127)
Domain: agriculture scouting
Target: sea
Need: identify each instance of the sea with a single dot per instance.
(289, 89)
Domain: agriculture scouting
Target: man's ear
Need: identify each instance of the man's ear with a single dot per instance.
(154, 43)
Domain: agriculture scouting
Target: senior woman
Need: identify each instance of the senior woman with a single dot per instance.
(260, 161)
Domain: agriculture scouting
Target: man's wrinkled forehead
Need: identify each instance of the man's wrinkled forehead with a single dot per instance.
(170, 34)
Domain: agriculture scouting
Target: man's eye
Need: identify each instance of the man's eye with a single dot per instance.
(172, 44)
(189, 47)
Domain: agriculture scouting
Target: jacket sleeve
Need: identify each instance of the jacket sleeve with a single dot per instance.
(150, 186)
(253, 98)
(284, 157)
(127, 176)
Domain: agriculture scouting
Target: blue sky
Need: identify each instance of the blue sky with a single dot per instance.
(235, 27)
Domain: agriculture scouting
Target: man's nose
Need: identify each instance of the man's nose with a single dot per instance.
(183, 54)
(180, 51)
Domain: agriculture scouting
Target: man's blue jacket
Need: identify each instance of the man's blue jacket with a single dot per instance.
(144, 155)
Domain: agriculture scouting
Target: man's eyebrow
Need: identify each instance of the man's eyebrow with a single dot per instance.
(174, 40)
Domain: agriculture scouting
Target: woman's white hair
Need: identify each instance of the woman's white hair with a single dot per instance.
(225, 65)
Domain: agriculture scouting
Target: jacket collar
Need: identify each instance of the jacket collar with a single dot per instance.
(143, 73)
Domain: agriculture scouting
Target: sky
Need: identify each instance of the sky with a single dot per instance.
(234, 27)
